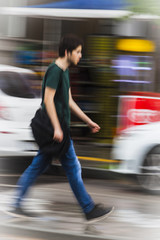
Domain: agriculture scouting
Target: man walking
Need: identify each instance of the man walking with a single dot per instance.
(70, 53)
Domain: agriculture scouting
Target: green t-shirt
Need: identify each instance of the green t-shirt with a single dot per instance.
(58, 79)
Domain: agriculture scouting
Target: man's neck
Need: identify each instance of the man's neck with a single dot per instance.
(62, 63)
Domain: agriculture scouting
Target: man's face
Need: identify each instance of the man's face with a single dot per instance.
(75, 56)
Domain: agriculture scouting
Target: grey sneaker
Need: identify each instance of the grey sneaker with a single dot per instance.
(99, 212)
(19, 212)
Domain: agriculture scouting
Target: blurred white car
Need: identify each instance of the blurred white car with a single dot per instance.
(18, 103)
(138, 148)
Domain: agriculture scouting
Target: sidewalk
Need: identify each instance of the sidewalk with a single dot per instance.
(59, 216)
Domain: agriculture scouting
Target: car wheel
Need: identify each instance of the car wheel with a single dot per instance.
(149, 178)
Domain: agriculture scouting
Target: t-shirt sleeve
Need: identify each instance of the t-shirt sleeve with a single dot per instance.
(53, 77)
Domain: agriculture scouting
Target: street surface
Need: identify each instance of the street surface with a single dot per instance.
(136, 215)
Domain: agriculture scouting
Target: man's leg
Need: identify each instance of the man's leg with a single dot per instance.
(93, 212)
(72, 167)
(39, 164)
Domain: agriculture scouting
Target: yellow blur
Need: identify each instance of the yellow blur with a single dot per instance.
(135, 45)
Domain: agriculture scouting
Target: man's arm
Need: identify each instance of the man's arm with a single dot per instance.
(79, 113)
(51, 110)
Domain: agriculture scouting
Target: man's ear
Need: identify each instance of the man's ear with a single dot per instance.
(66, 53)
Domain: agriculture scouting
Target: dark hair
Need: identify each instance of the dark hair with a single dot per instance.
(69, 42)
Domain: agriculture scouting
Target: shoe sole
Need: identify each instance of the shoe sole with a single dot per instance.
(100, 218)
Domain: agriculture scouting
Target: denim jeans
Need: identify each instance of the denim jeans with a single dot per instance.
(72, 168)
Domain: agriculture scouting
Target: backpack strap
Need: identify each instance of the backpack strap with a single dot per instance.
(45, 79)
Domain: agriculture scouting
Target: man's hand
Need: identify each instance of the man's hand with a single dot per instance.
(94, 127)
(58, 135)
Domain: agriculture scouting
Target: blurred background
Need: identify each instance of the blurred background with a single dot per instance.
(112, 64)
(120, 55)
(120, 58)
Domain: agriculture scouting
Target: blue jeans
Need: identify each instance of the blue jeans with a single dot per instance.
(72, 168)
